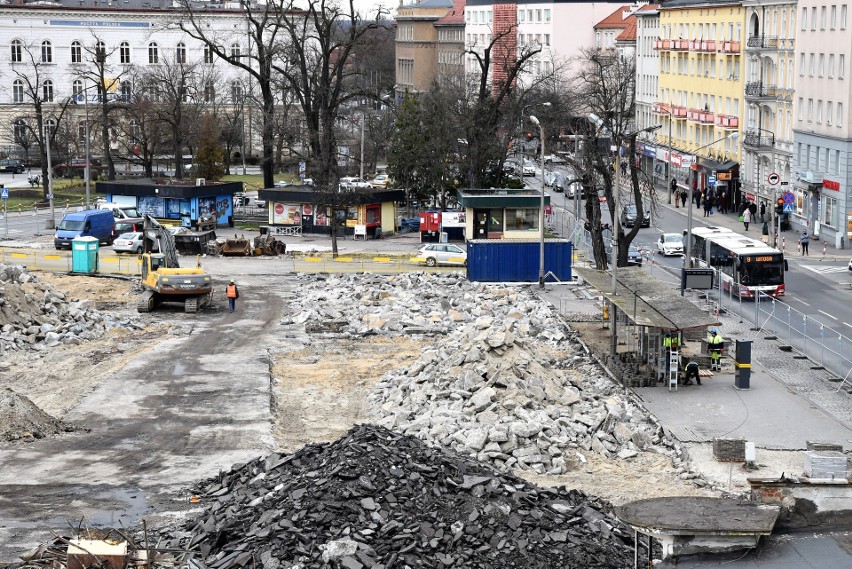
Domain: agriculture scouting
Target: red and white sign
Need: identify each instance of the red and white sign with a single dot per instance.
(279, 209)
(307, 209)
(774, 179)
(831, 185)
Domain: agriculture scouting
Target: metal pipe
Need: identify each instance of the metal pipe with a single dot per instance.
(88, 152)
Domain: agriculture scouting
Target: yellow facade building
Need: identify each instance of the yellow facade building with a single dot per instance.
(701, 93)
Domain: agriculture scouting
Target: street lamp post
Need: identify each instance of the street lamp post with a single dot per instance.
(46, 135)
(688, 261)
(541, 274)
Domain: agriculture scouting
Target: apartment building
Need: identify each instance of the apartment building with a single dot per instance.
(416, 44)
(647, 76)
(768, 131)
(700, 93)
(450, 47)
(822, 139)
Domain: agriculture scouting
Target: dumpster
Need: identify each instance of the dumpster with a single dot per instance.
(84, 255)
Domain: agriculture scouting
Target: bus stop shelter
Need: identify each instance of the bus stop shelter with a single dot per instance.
(652, 307)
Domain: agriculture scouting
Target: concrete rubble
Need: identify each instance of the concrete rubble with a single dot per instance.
(35, 316)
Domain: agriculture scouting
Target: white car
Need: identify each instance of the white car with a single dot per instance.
(129, 243)
(353, 182)
(380, 181)
(670, 244)
(442, 254)
(553, 159)
(529, 168)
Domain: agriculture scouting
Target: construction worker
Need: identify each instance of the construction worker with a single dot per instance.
(691, 373)
(715, 343)
(233, 294)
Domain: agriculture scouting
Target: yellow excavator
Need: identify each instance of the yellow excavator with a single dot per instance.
(163, 279)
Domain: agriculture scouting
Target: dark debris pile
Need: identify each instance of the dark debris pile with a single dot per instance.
(376, 499)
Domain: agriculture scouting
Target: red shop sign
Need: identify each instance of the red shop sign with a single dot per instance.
(831, 185)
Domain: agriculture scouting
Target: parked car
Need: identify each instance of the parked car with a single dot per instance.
(127, 226)
(529, 168)
(129, 243)
(629, 216)
(96, 223)
(573, 190)
(380, 181)
(634, 256)
(553, 159)
(353, 182)
(670, 244)
(14, 166)
(510, 168)
(76, 167)
(442, 254)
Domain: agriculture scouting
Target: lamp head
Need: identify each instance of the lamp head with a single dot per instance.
(595, 120)
(735, 134)
(534, 120)
(546, 104)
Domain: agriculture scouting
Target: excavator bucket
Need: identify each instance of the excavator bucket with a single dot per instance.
(237, 247)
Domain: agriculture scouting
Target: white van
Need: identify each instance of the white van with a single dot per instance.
(119, 211)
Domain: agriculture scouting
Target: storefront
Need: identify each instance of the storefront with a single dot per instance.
(503, 213)
(295, 210)
(722, 179)
(177, 200)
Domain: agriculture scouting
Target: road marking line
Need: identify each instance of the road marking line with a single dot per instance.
(53, 257)
(847, 324)
(799, 300)
(827, 314)
(19, 255)
(381, 259)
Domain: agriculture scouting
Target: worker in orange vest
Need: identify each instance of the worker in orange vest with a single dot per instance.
(233, 294)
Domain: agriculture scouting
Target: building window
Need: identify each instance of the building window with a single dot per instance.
(830, 65)
(813, 18)
(19, 132)
(126, 91)
(810, 110)
(843, 17)
(522, 219)
(124, 53)
(833, 16)
(46, 52)
(153, 54)
(47, 91)
(822, 12)
(804, 19)
(836, 164)
(829, 206)
(821, 64)
(547, 39)
(236, 51)
(841, 66)
(77, 89)
(208, 54)
(546, 16)
(812, 65)
(17, 55)
(819, 112)
(236, 92)
(18, 91)
(801, 65)
(209, 93)
(76, 52)
(180, 53)
(839, 114)
(829, 111)
(521, 14)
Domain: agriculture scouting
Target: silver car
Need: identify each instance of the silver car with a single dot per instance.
(670, 244)
(129, 243)
(442, 254)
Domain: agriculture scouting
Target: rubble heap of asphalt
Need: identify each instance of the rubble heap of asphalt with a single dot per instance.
(21, 419)
(378, 499)
(35, 316)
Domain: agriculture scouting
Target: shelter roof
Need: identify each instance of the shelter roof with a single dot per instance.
(647, 301)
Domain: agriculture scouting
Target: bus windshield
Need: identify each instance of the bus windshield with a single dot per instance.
(762, 273)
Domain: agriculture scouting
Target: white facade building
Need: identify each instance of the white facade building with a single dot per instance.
(53, 43)
(822, 138)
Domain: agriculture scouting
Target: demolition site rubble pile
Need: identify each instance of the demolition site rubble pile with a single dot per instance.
(506, 381)
(21, 419)
(35, 316)
(378, 499)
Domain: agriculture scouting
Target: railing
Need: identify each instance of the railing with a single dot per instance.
(829, 348)
(663, 45)
(699, 116)
(762, 42)
(730, 47)
(680, 45)
(727, 121)
(708, 46)
(759, 89)
(756, 141)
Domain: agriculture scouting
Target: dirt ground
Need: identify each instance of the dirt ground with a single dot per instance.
(320, 391)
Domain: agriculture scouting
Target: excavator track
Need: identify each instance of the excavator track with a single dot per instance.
(146, 302)
(190, 305)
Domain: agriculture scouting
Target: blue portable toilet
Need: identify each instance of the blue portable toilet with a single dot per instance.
(84, 255)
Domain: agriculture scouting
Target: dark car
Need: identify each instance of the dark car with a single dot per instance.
(76, 167)
(629, 215)
(634, 257)
(14, 166)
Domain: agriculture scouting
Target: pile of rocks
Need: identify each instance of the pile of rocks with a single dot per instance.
(487, 392)
(20, 419)
(35, 316)
(378, 499)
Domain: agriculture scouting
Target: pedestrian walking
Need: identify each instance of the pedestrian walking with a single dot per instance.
(746, 217)
(683, 197)
(674, 190)
(708, 207)
(233, 294)
(723, 202)
(762, 211)
(804, 240)
(698, 197)
(752, 208)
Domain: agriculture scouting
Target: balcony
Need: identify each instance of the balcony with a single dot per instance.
(700, 117)
(760, 90)
(762, 42)
(705, 46)
(727, 122)
(672, 111)
(680, 45)
(663, 45)
(757, 141)
(730, 47)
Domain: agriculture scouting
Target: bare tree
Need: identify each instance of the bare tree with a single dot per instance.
(34, 93)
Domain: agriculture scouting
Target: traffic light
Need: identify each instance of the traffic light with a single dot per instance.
(529, 136)
(779, 206)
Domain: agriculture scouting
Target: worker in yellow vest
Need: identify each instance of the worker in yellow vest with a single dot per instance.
(716, 344)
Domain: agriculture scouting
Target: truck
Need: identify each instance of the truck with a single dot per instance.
(164, 280)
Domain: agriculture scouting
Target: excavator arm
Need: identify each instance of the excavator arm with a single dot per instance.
(153, 230)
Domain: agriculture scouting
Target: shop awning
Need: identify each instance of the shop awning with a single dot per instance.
(648, 301)
(709, 164)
